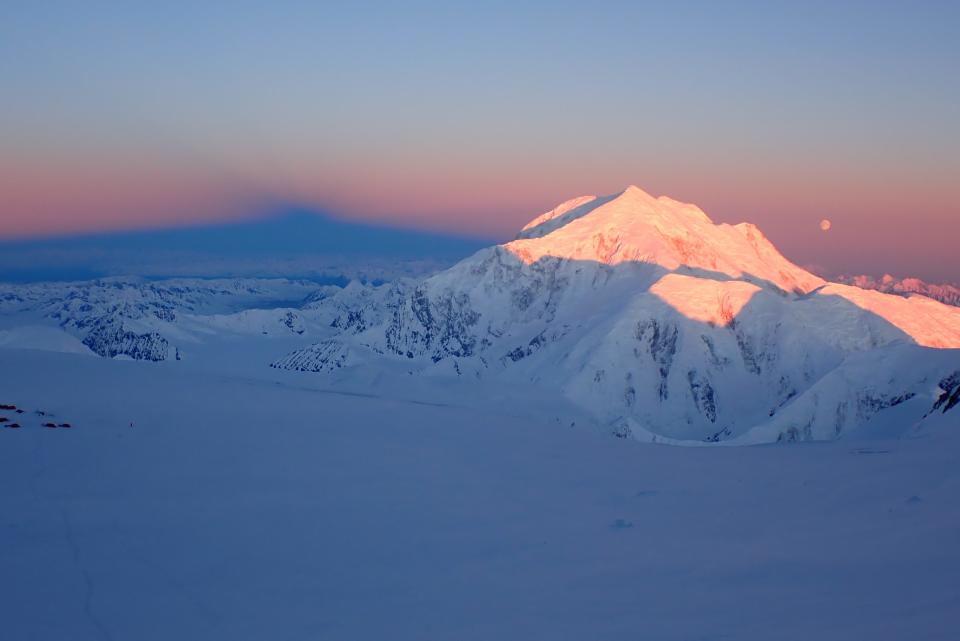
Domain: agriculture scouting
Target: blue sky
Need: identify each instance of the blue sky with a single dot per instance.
(473, 118)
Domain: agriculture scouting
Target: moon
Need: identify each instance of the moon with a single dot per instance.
(825, 224)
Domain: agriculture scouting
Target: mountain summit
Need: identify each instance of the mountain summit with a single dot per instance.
(633, 226)
(662, 324)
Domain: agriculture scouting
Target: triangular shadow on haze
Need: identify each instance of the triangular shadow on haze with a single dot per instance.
(281, 232)
(550, 225)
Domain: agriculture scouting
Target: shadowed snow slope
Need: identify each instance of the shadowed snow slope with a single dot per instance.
(242, 509)
(663, 324)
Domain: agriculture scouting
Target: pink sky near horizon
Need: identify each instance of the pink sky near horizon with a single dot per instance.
(880, 223)
(473, 118)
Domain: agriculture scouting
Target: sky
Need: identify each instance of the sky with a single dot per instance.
(474, 118)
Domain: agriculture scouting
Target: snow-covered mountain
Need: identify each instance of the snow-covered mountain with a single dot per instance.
(641, 311)
(149, 320)
(945, 293)
(663, 324)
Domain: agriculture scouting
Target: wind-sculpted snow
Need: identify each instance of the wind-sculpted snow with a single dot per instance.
(663, 324)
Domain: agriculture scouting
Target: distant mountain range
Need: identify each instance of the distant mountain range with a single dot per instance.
(945, 293)
(640, 311)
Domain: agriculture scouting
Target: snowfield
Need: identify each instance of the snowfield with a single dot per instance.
(281, 505)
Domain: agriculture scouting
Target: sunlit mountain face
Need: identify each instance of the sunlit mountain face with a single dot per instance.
(632, 226)
(666, 326)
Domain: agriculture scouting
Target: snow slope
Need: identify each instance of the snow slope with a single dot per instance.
(659, 322)
(266, 504)
(43, 338)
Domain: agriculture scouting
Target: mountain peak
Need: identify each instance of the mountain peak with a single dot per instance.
(634, 191)
(633, 226)
(633, 199)
(660, 323)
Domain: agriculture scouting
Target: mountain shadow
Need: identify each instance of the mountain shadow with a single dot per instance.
(287, 234)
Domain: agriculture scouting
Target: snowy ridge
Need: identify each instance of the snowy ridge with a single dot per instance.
(661, 323)
(149, 320)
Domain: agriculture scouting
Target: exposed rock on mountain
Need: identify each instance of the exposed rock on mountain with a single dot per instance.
(152, 320)
(663, 324)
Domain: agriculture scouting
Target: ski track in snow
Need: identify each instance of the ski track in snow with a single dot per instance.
(89, 586)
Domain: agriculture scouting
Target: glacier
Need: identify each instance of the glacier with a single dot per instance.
(196, 501)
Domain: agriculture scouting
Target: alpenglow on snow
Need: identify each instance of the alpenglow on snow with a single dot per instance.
(663, 325)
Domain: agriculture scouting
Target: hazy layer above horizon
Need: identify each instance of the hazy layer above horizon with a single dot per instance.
(472, 119)
(292, 242)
